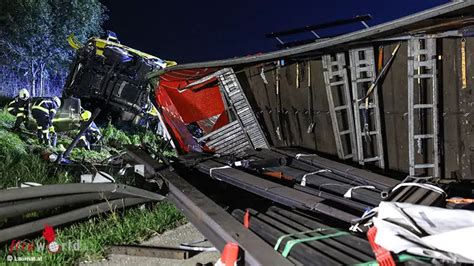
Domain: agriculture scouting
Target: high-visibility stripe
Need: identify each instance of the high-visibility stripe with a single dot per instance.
(60, 119)
(20, 115)
(73, 42)
(153, 111)
(83, 137)
(10, 108)
(40, 108)
(43, 101)
(100, 43)
(53, 111)
(21, 108)
(46, 131)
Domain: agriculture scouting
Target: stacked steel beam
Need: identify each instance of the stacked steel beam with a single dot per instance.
(294, 208)
(278, 222)
(328, 246)
(307, 186)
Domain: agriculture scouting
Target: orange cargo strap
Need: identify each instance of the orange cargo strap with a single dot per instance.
(383, 256)
(380, 59)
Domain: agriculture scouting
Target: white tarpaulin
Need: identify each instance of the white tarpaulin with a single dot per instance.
(426, 231)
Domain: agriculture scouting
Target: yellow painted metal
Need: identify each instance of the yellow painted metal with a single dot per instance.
(73, 42)
(463, 64)
(101, 44)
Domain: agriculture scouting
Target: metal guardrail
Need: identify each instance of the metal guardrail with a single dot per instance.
(218, 226)
(16, 202)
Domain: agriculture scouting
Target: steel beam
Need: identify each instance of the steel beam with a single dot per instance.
(218, 226)
(152, 251)
(371, 178)
(272, 191)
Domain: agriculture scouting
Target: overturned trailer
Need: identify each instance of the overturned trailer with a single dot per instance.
(281, 139)
(417, 121)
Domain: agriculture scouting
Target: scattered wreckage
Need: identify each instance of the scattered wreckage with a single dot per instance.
(297, 155)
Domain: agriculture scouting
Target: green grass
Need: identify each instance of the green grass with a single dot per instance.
(21, 161)
(94, 235)
(114, 140)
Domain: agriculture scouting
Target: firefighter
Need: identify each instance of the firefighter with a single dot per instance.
(92, 135)
(19, 107)
(148, 118)
(43, 111)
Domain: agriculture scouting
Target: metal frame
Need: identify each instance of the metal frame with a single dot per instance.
(418, 65)
(335, 87)
(359, 68)
(243, 111)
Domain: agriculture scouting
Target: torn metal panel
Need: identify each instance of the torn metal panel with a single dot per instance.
(221, 119)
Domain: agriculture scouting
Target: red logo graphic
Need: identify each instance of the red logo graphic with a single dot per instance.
(49, 235)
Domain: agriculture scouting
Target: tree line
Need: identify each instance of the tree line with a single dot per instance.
(33, 45)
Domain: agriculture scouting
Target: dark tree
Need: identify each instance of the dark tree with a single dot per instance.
(33, 36)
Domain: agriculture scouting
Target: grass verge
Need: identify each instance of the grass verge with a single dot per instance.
(20, 161)
(94, 235)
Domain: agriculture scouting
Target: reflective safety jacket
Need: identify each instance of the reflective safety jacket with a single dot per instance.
(18, 107)
(46, 105)
(94, 130)
(92, 134)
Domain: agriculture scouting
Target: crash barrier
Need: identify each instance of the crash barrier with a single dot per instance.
(103, 198)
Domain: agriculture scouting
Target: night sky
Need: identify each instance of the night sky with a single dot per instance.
(192, 31)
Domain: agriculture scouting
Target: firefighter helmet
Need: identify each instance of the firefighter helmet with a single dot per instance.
(57, 101)
(86, 115)
(24, 94)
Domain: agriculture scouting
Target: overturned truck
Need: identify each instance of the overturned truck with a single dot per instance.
(108, 73)
(418, 119)
(298, 142)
